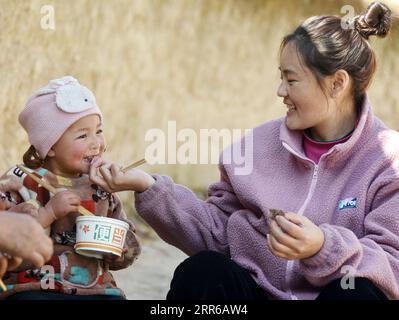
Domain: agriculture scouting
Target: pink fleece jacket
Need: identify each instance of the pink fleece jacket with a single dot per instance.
(352, 194)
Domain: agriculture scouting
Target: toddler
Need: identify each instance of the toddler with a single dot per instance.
(64, 125)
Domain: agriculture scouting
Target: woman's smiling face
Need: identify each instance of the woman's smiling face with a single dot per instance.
(306, 102)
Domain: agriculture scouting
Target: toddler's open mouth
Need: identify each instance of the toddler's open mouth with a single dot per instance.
(89, 159)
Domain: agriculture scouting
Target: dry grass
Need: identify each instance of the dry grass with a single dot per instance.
(205, 64)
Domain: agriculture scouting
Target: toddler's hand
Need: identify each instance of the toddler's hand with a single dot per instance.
(112, 179)
(63, 203)
(111, 259)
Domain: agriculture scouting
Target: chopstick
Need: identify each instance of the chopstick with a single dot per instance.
(3, 286)
(133, 165)
(49, 187)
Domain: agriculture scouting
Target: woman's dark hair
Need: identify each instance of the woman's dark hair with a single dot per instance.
(32, 159)
(327, 45)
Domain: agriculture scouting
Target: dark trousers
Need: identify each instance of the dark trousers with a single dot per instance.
(210, 275)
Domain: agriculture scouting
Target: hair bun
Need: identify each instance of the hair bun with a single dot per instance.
(376, 21)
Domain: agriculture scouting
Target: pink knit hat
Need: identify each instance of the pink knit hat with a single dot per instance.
(51, 110)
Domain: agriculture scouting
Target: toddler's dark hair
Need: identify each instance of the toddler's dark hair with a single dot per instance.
(32, 159)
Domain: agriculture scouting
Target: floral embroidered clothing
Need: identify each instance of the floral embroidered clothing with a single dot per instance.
(73, 273)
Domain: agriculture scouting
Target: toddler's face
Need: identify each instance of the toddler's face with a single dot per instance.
(73, 152)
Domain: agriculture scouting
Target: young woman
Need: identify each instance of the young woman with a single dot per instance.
(331, 168)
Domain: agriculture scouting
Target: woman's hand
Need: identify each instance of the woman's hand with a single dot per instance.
(8, 263)
(21, 236)
(3, 265)
(8, 184)
(26, 208)
(112, 179)
(293, 236)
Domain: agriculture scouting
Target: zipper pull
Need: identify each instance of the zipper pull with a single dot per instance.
(316, 169)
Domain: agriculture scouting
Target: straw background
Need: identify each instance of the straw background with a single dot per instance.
(204, 64)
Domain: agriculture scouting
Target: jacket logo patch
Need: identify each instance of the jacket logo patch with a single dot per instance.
(347, 203)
